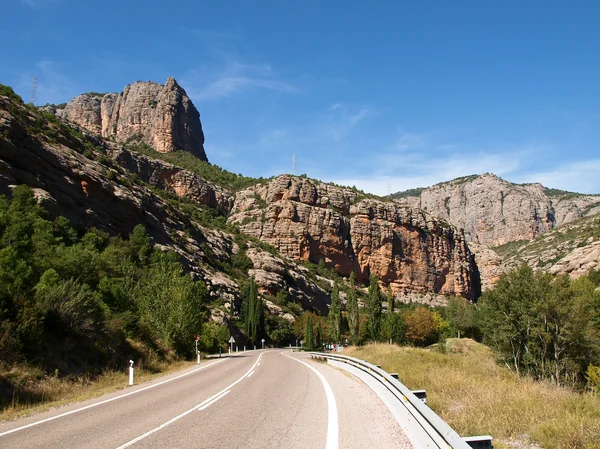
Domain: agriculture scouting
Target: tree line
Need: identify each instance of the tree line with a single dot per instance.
(539, 325)
(75, 301)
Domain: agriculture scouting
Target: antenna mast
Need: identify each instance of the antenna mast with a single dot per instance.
(294, 164)
(33, 90)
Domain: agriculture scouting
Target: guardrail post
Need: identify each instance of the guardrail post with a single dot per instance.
(421, 394)
(394, 375)
(479, 442)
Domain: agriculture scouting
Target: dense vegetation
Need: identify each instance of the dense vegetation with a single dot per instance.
(539, 326)
(407, 193)
(74, 302)
(545, 327)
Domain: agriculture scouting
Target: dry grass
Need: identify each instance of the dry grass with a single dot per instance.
(475, 396)
(51, 392)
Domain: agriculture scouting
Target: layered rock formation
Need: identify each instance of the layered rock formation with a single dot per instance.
(161, 116)
(406, 248)
(173, 179)
(493, 211)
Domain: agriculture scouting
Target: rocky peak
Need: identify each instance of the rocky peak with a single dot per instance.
(163, 117)
(493, 211)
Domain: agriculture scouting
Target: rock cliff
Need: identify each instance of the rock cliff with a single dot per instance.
(405, 247)
(161, 116)
(572, 249)
(493, 211)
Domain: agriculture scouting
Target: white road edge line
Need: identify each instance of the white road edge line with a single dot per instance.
(52, 418)
(251, 374)
(213, 401)
(187, 412)
(332, 414)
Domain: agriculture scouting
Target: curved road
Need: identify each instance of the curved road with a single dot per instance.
(256, 399)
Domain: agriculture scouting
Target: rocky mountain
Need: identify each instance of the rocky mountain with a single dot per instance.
(102, 184)
(161, 116)
(405, 247)
(572, 249)
(494, 212)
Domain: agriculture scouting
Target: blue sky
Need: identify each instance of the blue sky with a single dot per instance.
(382, 95)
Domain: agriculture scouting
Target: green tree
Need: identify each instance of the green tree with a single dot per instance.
(171, 304)
(335, 315)
(254, 314)
(374, 308)
(390, 299)
(319, 336)
(543, 326)
(140, 243)
(352, 312)
(392, 328)
(508, 312)
(459, 313)
(279, 330)
(308, 334)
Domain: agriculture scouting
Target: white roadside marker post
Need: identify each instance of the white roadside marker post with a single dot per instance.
(131, 372)
(262, 340)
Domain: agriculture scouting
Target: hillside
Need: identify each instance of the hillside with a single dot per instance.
(214, 220)
(494, 212)
(573, 249)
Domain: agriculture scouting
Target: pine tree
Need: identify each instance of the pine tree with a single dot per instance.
(251, 309)
(319, 339)
(308, 334)
(335, 315)
(374, 309)
(260, 321)
(352, 312)
(391, 300)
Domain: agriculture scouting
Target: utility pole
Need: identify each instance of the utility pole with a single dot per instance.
(294, 164)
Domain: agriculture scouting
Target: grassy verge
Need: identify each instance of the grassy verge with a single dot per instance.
(475, 396)
(57, 392)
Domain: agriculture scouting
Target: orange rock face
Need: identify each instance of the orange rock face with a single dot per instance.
(405, 247)
(161, 116)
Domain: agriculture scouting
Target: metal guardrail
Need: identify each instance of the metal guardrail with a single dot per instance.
(427, 424)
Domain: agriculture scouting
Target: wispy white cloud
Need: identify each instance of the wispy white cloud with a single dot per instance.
(232, 77)
(410, 141)
(339, 120)
(397, 172)
(53, 86)
(580, 176)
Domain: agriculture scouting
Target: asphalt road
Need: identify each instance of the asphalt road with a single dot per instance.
(255, 399)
